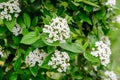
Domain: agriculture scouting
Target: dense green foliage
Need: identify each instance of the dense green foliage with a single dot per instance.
(88, 21)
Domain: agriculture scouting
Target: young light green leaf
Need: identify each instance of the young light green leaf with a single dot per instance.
(65, 4)
(30, 38)
(86, 45)
(73, 47)
(88, 2)
(32, 1)
(10, 24)
(54, 75)
(27, 19)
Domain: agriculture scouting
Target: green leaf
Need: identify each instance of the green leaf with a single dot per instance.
(91, 58)
(3, 0)
(25, 74)
(27, 19)
(73, 7)
(46, 20)
(17, 63)
(21, 22)
(83, 16)
(51, 49)
(25, 31)
(86, 45)
(2, 32)
(88, 8)
(3, 29)
(32, 1)
(93, 39)
(94, 20)
(54, 75)
(38, 44)
(88, 2)
(16, 40)
(65, 4)
(34, 70)
(30, 38)
(77, 75)
(73, 47)
(10, 24)
(72, 55)
(1, 73)
(60, 10)
(101, 14)
(13, 76)
(45, 62)
(35, 21)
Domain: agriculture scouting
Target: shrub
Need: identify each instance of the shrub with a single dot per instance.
(57, 39)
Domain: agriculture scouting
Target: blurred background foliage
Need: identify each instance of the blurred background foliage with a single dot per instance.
(115, 46)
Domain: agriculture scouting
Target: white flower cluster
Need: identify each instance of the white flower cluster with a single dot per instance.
(58, 30)
(1, 51)
(102, 50)
(37, 56)
(110, 75)
(60, 61)
(7, 9)
(111, 3)
(17, 30)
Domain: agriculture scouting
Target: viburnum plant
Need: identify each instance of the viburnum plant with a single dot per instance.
(57, 39)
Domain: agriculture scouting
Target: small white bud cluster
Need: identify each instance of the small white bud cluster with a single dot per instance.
(58, 30)
(37, 56)
(117, 19)
(111, 4)
(17, 30)
(110, 75)
(102, 50)
(1, 51)
(7, 9)
(60, 61)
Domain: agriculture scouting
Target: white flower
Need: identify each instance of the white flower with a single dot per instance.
(59, 61)
(17, 30)
(110, 75)
(111, 3)
(37, 56)
(102, 50)
(117, 19)
(58, 30)
(7, 9)
(1, 51)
